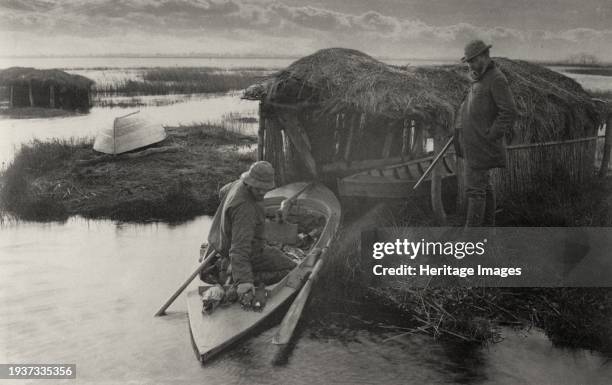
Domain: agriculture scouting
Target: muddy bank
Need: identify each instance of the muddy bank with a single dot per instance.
(176, 180)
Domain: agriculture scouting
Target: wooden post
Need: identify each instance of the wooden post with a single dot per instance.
(52, 96)
(417, 145)
(405, 144)
(386, 151)
(436, 184)
(31, 94)
(605, 159)
(12, 97)
(349, 140)
(260, 132)
(300, 141)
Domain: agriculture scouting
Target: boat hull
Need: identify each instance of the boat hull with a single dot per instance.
(212, 333)
(395, 181)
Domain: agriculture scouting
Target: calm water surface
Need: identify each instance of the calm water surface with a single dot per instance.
(85, 291)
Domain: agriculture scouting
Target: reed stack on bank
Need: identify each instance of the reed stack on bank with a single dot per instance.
(29, 87)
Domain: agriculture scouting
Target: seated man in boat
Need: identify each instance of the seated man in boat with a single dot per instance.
(237, 233)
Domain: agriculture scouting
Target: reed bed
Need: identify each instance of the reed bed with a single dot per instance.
(186, 80)
(600, 71)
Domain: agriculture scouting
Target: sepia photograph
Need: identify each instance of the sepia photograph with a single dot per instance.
(305, 192)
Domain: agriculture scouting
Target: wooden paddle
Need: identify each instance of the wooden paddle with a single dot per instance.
(209, 256)
(284, 333)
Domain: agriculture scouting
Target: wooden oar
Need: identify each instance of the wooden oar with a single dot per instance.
(209, 255)
(284, 333)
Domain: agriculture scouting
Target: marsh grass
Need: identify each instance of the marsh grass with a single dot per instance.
(599, 71)
(182, 80)
(20, 194)
(52, 180)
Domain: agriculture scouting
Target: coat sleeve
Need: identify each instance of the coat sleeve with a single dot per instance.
(506, 108)
(242, 218)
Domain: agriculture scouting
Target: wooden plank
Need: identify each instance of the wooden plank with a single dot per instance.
(300, 141)
(386, 151)
(349, 140)
(405, 144)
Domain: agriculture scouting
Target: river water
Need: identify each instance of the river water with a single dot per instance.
(168, 110)
(85, 292)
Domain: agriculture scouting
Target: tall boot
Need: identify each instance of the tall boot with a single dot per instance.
(490, 207)
(475, 212)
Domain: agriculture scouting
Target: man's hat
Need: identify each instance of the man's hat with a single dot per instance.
(260, 175)
(473, 49)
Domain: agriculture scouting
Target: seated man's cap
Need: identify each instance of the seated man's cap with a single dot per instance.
(260, 175)
(473, 49)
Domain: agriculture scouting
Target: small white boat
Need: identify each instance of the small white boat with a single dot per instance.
(128, 132)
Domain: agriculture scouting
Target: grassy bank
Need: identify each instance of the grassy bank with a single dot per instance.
(35, 112)
(56, 179)
(182, 80)
(571, 317)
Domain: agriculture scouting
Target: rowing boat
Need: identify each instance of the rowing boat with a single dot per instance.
(214, 332)
(394, 181)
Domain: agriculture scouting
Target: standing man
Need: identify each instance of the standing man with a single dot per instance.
(237, 230)
(487, 113)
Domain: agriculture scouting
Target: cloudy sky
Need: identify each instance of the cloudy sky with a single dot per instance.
(530, 29)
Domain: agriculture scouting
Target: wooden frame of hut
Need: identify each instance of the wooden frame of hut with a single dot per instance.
(29, 87)
(340, 115)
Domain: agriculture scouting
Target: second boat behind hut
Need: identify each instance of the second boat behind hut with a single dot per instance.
(128, 133)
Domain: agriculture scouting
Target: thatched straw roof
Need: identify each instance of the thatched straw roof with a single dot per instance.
(23, 75)
(551, 106)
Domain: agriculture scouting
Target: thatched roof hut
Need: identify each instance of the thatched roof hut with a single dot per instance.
(29, 87)
(348, 107)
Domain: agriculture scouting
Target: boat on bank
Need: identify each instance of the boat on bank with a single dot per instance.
(128, 132)
(214, 332)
